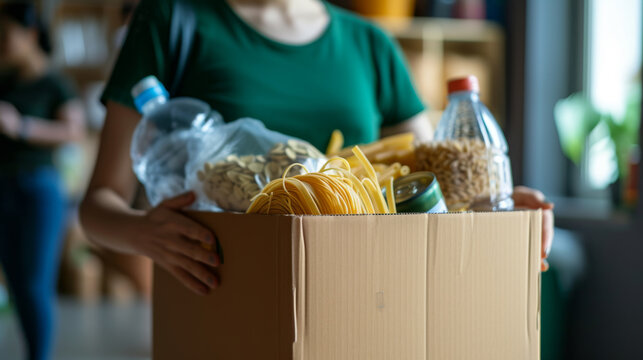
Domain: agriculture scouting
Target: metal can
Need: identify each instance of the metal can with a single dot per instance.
(419, 192)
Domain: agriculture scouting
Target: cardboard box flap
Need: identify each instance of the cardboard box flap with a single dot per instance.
(476, 302)
(365, 287)
(299, 288)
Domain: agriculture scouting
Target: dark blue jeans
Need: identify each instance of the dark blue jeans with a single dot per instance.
(32, 220)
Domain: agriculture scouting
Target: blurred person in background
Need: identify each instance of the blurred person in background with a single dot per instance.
(38, 112)
(303, 67)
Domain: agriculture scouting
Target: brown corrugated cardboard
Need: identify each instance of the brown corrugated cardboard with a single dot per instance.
(418, 286)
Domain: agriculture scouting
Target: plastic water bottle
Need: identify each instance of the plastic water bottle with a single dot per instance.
(468, 124)
(161, 141)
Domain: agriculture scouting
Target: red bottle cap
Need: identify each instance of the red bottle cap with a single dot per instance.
(469, 83)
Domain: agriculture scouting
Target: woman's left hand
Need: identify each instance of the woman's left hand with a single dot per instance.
(10, 121)
(525, 197)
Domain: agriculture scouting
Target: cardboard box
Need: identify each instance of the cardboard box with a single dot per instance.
(403, 287)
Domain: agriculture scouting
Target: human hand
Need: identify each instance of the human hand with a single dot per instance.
(10, 121)
(525, 197)
(175, 242)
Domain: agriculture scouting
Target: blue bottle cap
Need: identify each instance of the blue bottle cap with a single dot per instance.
(147, 89)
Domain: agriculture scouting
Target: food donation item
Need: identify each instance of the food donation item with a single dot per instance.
(383, 155)
(336, 142)
(396, 148)
(460, 166)
(162, 139)
(181, 145)
(333, 190)
(419, 192)
(234, 181)
(469, 155)
(383, 172)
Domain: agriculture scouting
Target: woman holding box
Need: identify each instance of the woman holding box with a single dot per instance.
(303, 67)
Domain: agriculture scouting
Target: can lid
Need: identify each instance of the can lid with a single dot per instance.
(468, 83)
(418, 192)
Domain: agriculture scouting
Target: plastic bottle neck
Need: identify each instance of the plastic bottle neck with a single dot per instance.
(149, 94)
(464, 94)
(152, 104)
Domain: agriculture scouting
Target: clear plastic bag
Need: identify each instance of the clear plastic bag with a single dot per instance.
(185, 146)
(160, 144)
(232, 162)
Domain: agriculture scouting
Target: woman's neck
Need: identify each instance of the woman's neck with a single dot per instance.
(290, 21)
(33, 67)
(262, 2)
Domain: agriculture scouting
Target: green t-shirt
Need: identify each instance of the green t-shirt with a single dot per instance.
(353, 77)
(41, 98)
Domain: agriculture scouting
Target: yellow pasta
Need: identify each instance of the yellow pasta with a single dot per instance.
(390, 196)
(332, 190)
(365, 163)
(375, 193)
(335, 144)
(400, 142)
(383, 172)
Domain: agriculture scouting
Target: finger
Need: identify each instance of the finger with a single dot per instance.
(196, 269)
(163, 258)
(523, 190)
(522, 193)
(544, 266)
(547, 232)
(546, 205)
(189, 281)
(532, 199)
(179, 202)
(191, 229)
(192, 250)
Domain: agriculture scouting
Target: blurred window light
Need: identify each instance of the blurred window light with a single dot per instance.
(599, 167)
(82, 42)
(614, 52)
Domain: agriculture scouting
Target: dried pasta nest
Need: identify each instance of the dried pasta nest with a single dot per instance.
(234, 181)
(461, 167)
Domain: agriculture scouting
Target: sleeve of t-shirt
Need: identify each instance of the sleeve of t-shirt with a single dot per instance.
(144, 53)
(397, 99)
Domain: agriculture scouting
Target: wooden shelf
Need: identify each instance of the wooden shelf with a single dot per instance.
(439, 49)
(452, 30)
(106, 17)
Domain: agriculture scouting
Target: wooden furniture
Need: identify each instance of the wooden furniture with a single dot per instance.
(439, 49)
(84, 37)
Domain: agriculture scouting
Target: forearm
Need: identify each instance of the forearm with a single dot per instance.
(43, 132)
(105, 212)
(109, 221)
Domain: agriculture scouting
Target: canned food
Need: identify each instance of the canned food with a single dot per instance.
(419, 192)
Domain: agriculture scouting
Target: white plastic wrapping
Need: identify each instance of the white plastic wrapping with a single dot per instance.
(225, 164)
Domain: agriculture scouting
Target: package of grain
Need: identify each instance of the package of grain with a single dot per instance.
(231, 183)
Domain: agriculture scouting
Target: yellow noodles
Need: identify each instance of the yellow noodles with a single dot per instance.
(332, 190)
(390, 196)
(335, 144)
(375, 193)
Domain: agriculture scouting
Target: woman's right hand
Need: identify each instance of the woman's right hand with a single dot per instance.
(175, 242)
(10, 121)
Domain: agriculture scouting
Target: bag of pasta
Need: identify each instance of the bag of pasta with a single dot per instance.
(232, 163)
